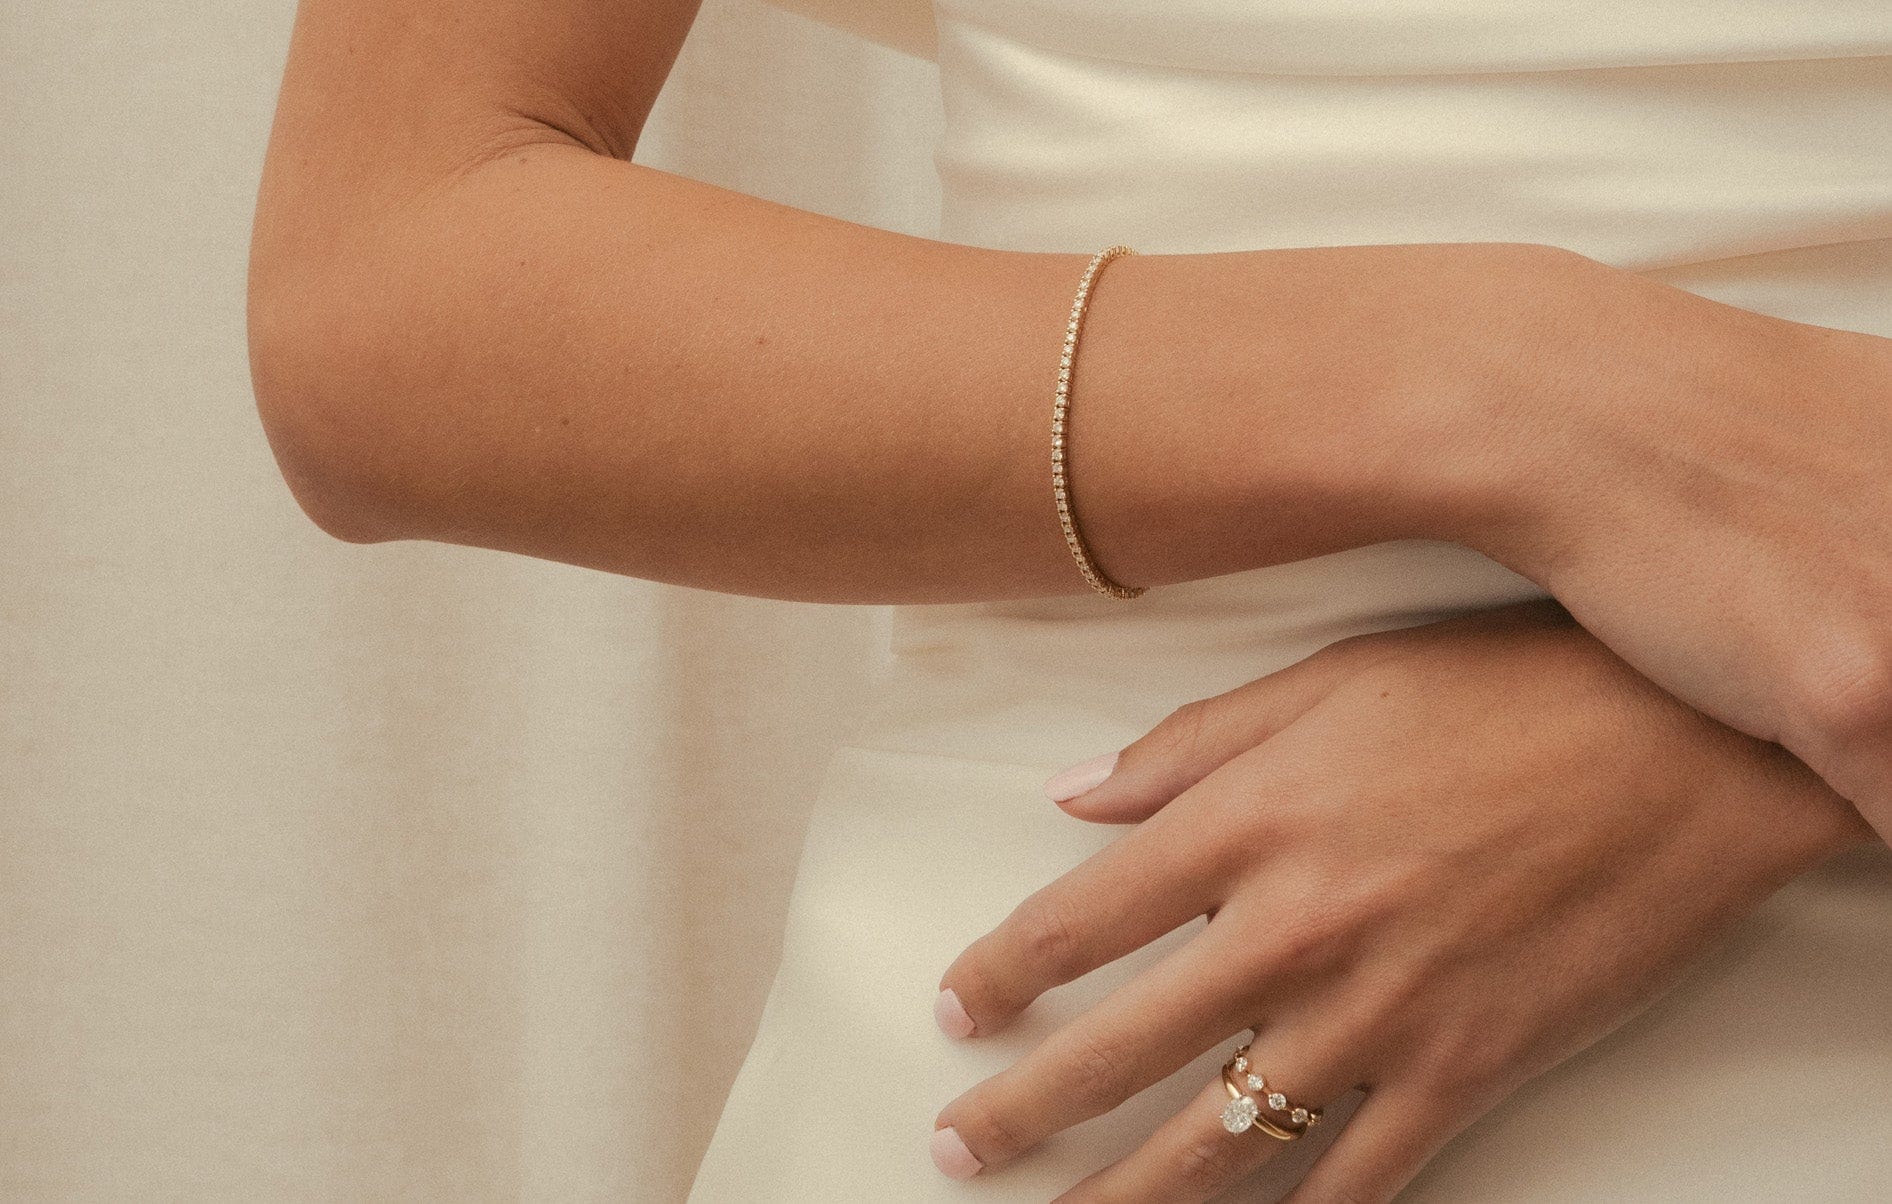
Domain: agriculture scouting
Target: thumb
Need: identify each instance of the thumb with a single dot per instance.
(1195, 739)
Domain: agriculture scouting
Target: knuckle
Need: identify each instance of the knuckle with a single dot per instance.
(1469, 1061)
(1180, 733)
(1402, 991)
(1102, 1074)
(1303, 945)
(1316, 937)
(1241, 821)
(1047, 933)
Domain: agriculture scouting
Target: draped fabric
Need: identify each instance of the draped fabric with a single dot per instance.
(1734, 148)
(390, 872)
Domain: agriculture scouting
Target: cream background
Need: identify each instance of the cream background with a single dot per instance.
(331, 872)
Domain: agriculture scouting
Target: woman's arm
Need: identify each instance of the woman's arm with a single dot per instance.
(474, 321)
(1436, 862)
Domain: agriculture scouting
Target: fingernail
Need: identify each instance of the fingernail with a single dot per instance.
(950, 1015)
(1074, 781)
(952, 1157)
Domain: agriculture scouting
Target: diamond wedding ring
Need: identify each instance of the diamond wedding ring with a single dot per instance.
(1245, 1111)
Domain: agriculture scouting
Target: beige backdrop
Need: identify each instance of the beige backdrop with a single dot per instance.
(331, 872)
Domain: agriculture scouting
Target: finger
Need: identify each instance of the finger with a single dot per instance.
(1192, 742)
(1199, 736)
(1143, 1032)
(1147, 883)
(1195, 1156)
(1389, 1140)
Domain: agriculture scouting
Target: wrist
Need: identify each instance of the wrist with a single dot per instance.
(1499, 334)
(1339, 396)
(1327, 398)
(1565, 380)
(1414, 386)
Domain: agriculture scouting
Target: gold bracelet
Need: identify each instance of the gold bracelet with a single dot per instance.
(1060, 488)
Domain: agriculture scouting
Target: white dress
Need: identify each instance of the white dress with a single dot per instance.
(1738, 148)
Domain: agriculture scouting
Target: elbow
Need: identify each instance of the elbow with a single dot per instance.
(311, 374)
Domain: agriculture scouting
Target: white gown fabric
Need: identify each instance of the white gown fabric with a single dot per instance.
(1738, 148)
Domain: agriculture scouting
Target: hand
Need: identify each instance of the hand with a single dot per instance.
(1436, 862)
(1711, 495)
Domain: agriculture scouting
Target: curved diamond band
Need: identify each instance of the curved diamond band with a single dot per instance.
(1244, 1111)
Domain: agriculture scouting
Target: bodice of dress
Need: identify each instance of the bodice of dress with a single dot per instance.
(1741, 149)
(1645, 133)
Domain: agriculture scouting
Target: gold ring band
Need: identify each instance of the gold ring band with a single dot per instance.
(1244, 1111)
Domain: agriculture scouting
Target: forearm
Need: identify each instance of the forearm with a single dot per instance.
(562, 354)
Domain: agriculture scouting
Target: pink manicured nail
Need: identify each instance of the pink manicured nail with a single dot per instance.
(952, 1157)
(1065, 786)
(950, 1015)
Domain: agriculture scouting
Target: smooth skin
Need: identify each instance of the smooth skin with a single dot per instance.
(473, 320)
(1436, 863)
